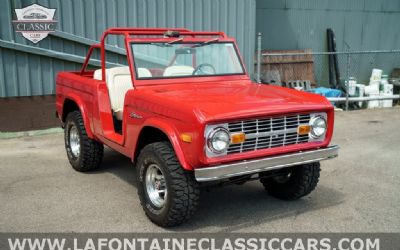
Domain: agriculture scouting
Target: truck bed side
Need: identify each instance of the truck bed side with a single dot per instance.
(79, 89)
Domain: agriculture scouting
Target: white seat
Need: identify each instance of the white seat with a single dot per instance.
(143, 72)
(118, 82)
(178, 71)
(97, 74)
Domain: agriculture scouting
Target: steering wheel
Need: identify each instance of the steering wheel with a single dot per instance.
(201, 67)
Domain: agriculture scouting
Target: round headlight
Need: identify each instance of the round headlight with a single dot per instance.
(318, 126)
(218, 140)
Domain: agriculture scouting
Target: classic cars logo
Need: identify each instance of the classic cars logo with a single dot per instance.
(35, 22)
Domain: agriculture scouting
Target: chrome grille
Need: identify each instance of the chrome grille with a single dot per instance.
(269, 132)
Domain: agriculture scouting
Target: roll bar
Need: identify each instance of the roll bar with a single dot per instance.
(129, 32)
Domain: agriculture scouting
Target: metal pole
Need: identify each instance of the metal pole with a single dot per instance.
(347, 79)
(258, 74)
(364, 98)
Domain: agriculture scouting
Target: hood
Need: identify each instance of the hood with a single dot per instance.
(215, 101)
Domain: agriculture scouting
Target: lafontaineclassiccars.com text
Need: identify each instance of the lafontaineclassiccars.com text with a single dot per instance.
(164, 243)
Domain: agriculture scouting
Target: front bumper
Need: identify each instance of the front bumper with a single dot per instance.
(265, 164)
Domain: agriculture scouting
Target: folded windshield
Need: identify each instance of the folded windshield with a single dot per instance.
(177, 59)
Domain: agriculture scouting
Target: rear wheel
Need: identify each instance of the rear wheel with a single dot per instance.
(83, 153)
(168, 194)
(293, 183)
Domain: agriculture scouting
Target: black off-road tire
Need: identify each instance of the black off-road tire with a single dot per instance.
(90, 151)
(302, 180)
(182, 189)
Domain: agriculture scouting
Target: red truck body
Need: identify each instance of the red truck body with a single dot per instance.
(267, 128)
(184, 105)
(161, 107)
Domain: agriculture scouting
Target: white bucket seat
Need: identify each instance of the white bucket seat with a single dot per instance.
(118, 82)
(178, 71)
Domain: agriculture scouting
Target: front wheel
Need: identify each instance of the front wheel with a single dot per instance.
(168, 194)
(293, 183)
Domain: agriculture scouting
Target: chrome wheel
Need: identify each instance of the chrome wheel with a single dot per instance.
(155, 185)
(74, 141)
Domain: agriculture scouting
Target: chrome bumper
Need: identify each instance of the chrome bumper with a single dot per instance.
(264, 164)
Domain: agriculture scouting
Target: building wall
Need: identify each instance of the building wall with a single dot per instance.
(362, 24)
(28, 69)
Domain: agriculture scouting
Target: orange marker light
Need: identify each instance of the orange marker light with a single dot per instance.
(303, 129)
(238, 138)
(186, 137)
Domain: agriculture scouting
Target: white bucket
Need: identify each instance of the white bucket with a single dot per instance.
(372, 89)
(384, 80)
(360, 89)
(387, 90)
(352, 86)
(387, 103)
(375, 82)
(373, 104)
(376, 75)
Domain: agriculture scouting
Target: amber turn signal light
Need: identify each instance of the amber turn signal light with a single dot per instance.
(238, 138)
(303, 129)
(186, 137)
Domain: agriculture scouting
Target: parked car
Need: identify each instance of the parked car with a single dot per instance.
(35, 16)
(183, 108)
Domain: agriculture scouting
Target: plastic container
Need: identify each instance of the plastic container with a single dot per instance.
(383, 82)
(387, 91)
(382, 87)
(372, 89)
(327, 92)
(384, 79)
(373, 104)
(360, 92)
(352, 86)
(376, 75)
(375, 82)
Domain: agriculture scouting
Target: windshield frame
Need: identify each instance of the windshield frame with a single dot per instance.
(186, 40)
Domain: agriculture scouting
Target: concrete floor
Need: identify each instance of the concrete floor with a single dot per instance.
(358, 192)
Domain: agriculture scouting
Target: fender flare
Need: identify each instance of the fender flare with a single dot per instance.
(82, 109)
(173, 136)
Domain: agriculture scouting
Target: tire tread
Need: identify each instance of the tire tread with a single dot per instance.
(184, 187)
(306, 180)
(91, 151)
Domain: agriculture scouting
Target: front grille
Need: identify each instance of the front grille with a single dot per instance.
(269, 132)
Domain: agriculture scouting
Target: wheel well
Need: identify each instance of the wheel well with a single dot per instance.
(149, 135)
(69, 106)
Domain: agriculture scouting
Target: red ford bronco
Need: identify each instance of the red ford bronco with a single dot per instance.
(181, 105)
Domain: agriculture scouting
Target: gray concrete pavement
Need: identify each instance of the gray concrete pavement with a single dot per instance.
(359, 191)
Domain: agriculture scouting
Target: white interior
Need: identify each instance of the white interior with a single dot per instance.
(118, 80)
(178, 71)
(143, 72)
